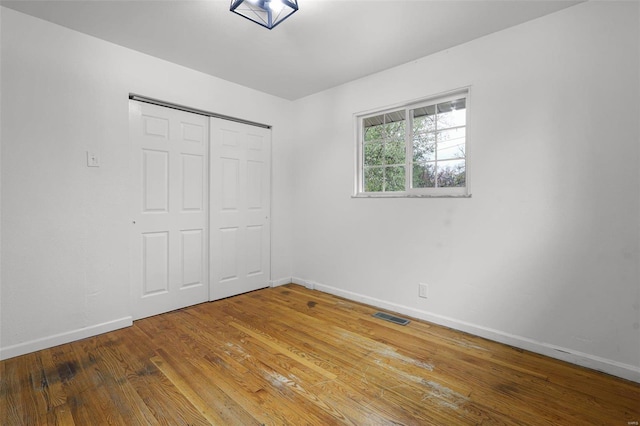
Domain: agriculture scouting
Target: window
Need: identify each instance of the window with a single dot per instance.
(419, 149)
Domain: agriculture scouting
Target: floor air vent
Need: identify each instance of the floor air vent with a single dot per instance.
(391, 318)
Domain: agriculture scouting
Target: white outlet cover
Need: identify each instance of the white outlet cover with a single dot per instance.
(423, 290)
(92, 159)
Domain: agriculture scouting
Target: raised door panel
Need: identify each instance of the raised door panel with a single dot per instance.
(254, 184)
(155, 272)
(192, 257)
(228, 137)
(228, 241)
(155, 172)
(193, 133)
(193, 182)
(155, 126)
(255, 142)
(254, 250)
(229, 183)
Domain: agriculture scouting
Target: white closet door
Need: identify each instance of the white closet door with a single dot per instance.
(240, 208)
(170, 185)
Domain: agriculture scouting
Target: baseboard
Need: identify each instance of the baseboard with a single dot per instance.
(311, 285)
(62, 338)
(279, 282)
(604, 365)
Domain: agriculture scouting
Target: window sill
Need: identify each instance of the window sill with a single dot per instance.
(405, 195)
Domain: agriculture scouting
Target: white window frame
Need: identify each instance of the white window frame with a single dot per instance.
(408, 107)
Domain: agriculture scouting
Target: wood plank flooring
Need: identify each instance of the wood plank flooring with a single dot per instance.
(289, 355)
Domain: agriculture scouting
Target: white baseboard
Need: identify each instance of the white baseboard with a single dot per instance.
(625, 371)
(279, 282)
(62, 338)
(311, 285)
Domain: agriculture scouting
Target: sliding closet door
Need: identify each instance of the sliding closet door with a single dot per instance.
(170, 238)
(240, 208)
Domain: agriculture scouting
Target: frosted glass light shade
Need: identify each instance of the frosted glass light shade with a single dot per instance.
(267, 13)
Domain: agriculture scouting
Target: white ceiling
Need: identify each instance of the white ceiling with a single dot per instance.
(326, 43)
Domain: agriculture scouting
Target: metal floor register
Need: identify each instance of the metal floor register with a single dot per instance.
(391, 318)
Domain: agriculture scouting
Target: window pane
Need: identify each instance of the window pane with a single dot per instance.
(394, 178)
(424, 147)
(390, 117)
(373, 179)
(424, 175)
(424, 119)
(390, 127)
(451, 173)
(394, 152)
(395, 131)
(373, 154)
(394, 117)
(374, 133)
(452, 114)
(451, 144)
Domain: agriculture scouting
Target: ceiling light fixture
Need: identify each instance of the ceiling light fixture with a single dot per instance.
(267, 13)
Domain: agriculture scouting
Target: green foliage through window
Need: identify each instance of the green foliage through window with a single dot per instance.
(384, 153)
(418, 147)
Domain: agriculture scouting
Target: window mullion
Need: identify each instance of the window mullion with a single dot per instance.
(408, 141)
(360, 159)
(435, 154)
(385, 138)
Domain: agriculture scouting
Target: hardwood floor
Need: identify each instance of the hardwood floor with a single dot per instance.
(289, 355)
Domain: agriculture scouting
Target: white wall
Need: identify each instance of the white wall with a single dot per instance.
(545, 254)
(65, 227)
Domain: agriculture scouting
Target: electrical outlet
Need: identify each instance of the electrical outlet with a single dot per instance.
(92, 159)
(423, 290)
